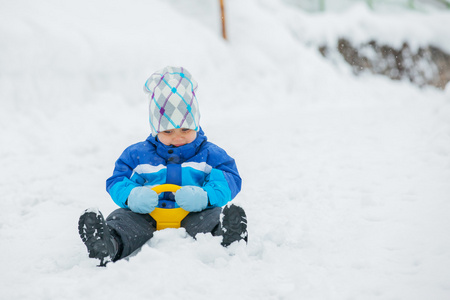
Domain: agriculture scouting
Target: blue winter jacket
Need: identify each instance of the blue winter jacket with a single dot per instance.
(151, 163)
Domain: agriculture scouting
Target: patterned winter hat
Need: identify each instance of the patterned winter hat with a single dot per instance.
(173, 103)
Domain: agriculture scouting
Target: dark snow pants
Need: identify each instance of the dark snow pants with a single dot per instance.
(132, 230)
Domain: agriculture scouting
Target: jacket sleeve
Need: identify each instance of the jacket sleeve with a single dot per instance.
(223, 182)
(119, 184)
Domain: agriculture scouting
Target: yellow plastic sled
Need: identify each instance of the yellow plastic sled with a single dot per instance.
(168, 217)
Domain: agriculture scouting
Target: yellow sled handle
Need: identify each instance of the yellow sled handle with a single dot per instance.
(168, 217)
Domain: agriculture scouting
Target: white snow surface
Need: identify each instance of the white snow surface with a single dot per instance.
(346, 180)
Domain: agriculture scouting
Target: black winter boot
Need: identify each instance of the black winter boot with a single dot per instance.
(233, 225)
(96, 236)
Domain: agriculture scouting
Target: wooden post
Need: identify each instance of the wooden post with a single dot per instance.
(222, 11)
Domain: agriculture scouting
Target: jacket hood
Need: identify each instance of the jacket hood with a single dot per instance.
(178, 155)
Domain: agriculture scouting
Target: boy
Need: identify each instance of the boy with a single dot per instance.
(176, 152)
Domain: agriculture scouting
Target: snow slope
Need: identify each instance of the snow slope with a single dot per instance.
(346, 180)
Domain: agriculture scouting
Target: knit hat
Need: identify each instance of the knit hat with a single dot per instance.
(173, 103)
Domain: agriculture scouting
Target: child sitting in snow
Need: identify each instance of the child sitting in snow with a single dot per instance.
(176, 152)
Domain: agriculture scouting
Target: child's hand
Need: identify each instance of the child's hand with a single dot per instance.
(142, 200)
(192, 198)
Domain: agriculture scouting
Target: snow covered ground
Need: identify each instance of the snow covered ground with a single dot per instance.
(346, 180)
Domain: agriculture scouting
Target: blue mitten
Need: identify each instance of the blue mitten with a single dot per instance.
(192, 198)
(142, 200)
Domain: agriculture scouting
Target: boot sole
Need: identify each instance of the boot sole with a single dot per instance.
(93, 232)
(234, 225)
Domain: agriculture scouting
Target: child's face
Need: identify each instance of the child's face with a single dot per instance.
(177, 137)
